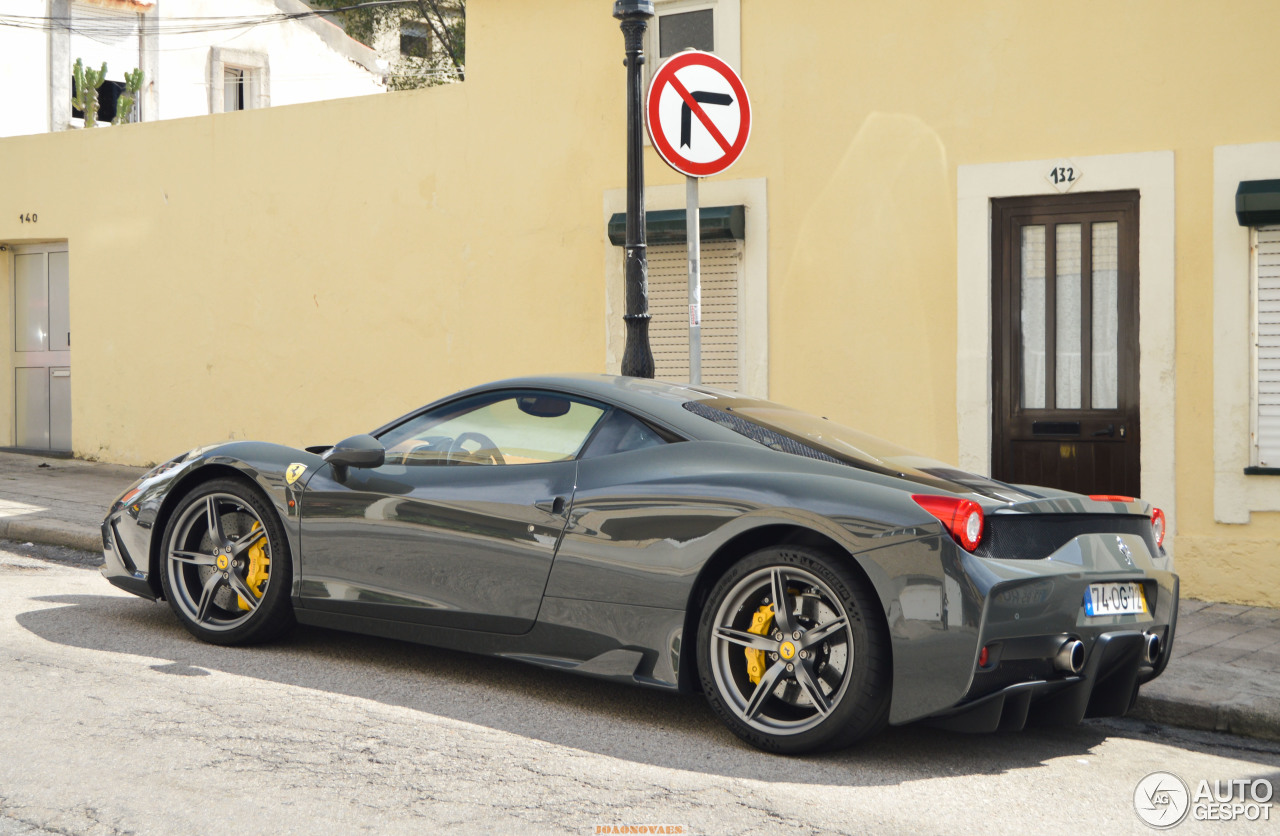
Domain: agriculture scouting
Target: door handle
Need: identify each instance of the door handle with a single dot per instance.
(551, 506)
(1109, 430)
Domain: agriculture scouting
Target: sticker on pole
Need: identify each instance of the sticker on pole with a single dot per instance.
(698, 113)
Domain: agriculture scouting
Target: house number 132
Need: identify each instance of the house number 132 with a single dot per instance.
(29, 218)
(1063, 175)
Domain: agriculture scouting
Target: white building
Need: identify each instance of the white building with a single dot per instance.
(197, 57)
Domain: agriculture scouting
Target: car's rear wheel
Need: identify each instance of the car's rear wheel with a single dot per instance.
(810, 674)
(226, 568)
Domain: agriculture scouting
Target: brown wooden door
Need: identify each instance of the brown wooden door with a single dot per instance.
(1065, 320)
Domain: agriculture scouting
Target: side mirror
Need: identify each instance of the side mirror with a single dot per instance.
(356, 451)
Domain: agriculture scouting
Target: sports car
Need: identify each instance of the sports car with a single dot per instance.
(814, 582)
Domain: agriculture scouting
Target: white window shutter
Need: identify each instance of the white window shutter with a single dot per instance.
(1267, 342)
(721, 277)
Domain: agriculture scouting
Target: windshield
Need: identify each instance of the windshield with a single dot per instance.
(846, 445)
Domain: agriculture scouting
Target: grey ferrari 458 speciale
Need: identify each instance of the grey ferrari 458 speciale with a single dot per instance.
(815, 583)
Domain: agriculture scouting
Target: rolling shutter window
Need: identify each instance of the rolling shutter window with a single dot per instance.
(1267, 342)
(721, 275)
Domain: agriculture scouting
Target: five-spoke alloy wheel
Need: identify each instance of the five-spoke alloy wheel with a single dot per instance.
(790, 653)
(226, 565)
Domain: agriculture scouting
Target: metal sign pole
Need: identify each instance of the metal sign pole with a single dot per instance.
(692, 232)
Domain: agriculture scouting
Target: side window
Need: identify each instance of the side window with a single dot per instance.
(502, 429)
(686, 28)
(622, 433)
(235, 82)
(238, 80)
(708, 25)
(415, 39)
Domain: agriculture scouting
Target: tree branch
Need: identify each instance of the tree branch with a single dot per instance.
(436, 20)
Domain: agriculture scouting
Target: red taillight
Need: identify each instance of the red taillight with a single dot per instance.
(1158, 525)
(1106, 497)
(983, 658)
(962, 517)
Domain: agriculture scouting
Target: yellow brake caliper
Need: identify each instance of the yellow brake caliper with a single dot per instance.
(761, 621)
(258, 566)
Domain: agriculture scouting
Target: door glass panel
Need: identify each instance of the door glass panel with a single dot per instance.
(529, 428)
(59, 303)
(1067, 307)
(32, 424)
(31, 303)
(1033, 317)
(1106, 315)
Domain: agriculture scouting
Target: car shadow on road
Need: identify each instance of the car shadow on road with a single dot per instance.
(607, 718)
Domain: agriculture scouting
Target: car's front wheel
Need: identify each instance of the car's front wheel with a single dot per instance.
(225, 566)
(792, 653)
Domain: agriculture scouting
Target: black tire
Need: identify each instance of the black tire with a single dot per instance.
(227, 584)
(835, 642)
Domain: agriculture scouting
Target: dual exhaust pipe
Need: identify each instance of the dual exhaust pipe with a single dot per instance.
(1151, 647)
(1070, 656)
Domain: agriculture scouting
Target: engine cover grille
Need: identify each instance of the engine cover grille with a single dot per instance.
(1036, 536)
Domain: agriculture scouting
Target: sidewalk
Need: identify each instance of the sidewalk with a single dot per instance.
(1224, 675)
(58, 501)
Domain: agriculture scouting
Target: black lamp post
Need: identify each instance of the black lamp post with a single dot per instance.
(637, 357)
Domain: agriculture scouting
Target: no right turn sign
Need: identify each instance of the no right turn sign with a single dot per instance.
(698, 113)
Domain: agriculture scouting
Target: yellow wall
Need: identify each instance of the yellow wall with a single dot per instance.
(302, 273)
(306, 272)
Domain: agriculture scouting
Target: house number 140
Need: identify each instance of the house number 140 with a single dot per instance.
(29, 218)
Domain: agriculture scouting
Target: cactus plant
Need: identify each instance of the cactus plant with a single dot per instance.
(124, 104)
(85, 98)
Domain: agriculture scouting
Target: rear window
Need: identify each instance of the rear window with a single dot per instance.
(803, 434)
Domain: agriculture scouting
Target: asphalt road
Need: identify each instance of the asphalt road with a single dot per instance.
(114, 720)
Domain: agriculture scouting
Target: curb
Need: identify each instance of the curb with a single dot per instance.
(1245, 721)
(52, 533)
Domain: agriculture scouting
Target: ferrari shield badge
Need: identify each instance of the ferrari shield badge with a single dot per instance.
(294, 473)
